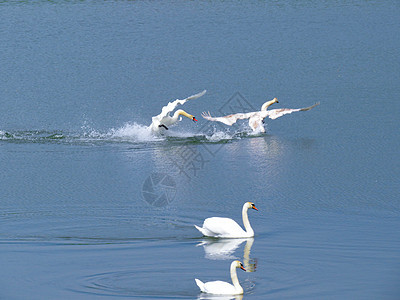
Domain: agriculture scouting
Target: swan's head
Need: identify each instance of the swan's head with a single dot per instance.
(238, 264)
(269, 103)
(184, 113)
(251, 205)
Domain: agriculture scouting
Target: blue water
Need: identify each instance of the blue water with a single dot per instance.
(93, 206)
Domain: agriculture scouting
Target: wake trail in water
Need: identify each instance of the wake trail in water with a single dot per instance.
(132, 133)
(129, 132)
(139, 133)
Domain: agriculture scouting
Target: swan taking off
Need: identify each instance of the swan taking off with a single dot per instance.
(221, 287)
(256, 119)
(164, 120)
(228, 228)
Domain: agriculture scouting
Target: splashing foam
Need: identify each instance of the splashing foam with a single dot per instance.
(139, 133)
(134, 132)
(219, 136)
(216, 135)
(129, 132)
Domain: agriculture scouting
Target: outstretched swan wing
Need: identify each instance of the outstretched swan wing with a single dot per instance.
(171, 105)
(276, 113)
(227, 120)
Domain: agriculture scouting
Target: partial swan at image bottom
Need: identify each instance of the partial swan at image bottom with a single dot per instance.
(221, 287)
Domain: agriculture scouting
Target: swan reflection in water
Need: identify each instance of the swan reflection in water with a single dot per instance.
(223, 249)
(219, 297)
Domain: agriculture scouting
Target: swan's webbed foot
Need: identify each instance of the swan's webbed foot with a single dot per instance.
(162, 125)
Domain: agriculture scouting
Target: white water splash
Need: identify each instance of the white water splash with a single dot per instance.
(219, 136)
(134, 132)
(129, 132)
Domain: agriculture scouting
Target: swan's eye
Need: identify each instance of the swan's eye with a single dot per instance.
(254, 207)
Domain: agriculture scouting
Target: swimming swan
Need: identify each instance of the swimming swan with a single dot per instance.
(221, 287)
(228, 228)
(162, 121)
(256, 119)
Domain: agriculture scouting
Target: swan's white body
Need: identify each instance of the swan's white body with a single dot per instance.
(256, 118)
(228, 228)
(221, 287)
(161, 122)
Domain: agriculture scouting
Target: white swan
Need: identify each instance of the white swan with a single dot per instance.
(228, 228)
(221, 287)
(256, 119)
(163, 120)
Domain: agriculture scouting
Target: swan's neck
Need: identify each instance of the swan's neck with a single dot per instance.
(181, 112)
(268, 104)
(246, 223)
(235, 279)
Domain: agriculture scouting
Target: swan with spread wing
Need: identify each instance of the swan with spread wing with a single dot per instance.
(162, 121)
(256, 119)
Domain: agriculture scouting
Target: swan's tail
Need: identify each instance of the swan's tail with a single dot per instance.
(200, 229)
(200, 284)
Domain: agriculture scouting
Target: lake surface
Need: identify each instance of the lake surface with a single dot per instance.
(92, 206)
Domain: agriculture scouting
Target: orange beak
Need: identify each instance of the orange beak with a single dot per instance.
(243, 268)
(194, 119)
(255, 208)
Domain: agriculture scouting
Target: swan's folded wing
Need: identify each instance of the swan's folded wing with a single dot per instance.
(219, 288)
(227, 120)
(222, 227)
(276, 113)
